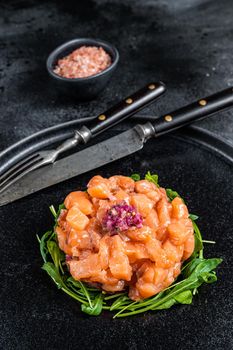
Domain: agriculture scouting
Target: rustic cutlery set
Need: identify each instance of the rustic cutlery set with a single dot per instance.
(42, 169)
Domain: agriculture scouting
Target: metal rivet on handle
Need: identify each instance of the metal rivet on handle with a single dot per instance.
(129, 101)
(102, 117)
(151, 87)
(168, 118)
(202, 102)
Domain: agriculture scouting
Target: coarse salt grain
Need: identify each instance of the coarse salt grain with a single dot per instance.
(83, 62)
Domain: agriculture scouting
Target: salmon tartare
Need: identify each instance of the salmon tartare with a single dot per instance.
(125, 235)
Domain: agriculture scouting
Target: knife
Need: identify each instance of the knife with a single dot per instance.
(25, 162)
(116, 147)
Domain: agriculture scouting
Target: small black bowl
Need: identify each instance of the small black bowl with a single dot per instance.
(82, 88)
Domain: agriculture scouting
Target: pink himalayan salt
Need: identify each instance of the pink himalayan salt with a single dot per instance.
(83, 62)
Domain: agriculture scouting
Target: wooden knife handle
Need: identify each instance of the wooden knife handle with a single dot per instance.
(195, 111)
(126, 108)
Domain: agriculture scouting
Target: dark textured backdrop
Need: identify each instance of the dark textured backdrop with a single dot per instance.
(187, 44)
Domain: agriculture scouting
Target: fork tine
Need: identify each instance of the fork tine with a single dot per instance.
(16, 166)
(26, 166)
(13, 180)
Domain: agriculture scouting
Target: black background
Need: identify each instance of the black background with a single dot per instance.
(185, 43)
(188, 45)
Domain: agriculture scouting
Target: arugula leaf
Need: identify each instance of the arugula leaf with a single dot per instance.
(199, 266)
(96, 308)
(198, 248)
(152, 178)
(53, 211)
(166, 305)
(57, 255)
(184, 297)
(171, 194)
(52, 271)
(119, 302)
(193, 217)
(43, 245)
(135, 177)
(209, 277)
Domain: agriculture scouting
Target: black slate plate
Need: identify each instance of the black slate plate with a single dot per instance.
(35, 315)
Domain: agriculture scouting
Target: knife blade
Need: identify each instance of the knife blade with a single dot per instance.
(78, 163)
(116, 147)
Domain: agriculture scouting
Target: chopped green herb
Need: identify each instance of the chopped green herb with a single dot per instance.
(193, 217)
(152, 178)
(172, 194)
(135, 177)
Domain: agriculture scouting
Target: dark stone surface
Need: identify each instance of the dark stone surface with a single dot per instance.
(187, 44)
(36, 315)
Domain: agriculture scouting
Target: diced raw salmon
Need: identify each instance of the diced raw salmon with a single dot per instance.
(85, 206)
(179, 209)
(152, 219)
(134, 293)
(120, 195)
(146, 272)
(85, 268)
(160, 275)
(118, 287)
(163, 210)
(109, 278)
(135, 251)
(142, 203)
(178, 232)
(94, 230)
(145, 283)
(157, 253)
(146, 259)
(62, 223)
(80, 239)
(119, 262)
(176, 269)
(174, 252)
(149, 189)
(104, 205)
(189, 245)
(74, 197)
(161, 233)
(169, 278)
(154, 196)
(144, 186)
(124, 182)
(76, 218)
(98, 187)
(73, 238)
(98, 277)
(139, 234)
(104, 252)
(84, 254)
(62, 241)
(188, 224)
(163, 192)
(146, 290)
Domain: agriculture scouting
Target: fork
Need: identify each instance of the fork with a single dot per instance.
(126, 108)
